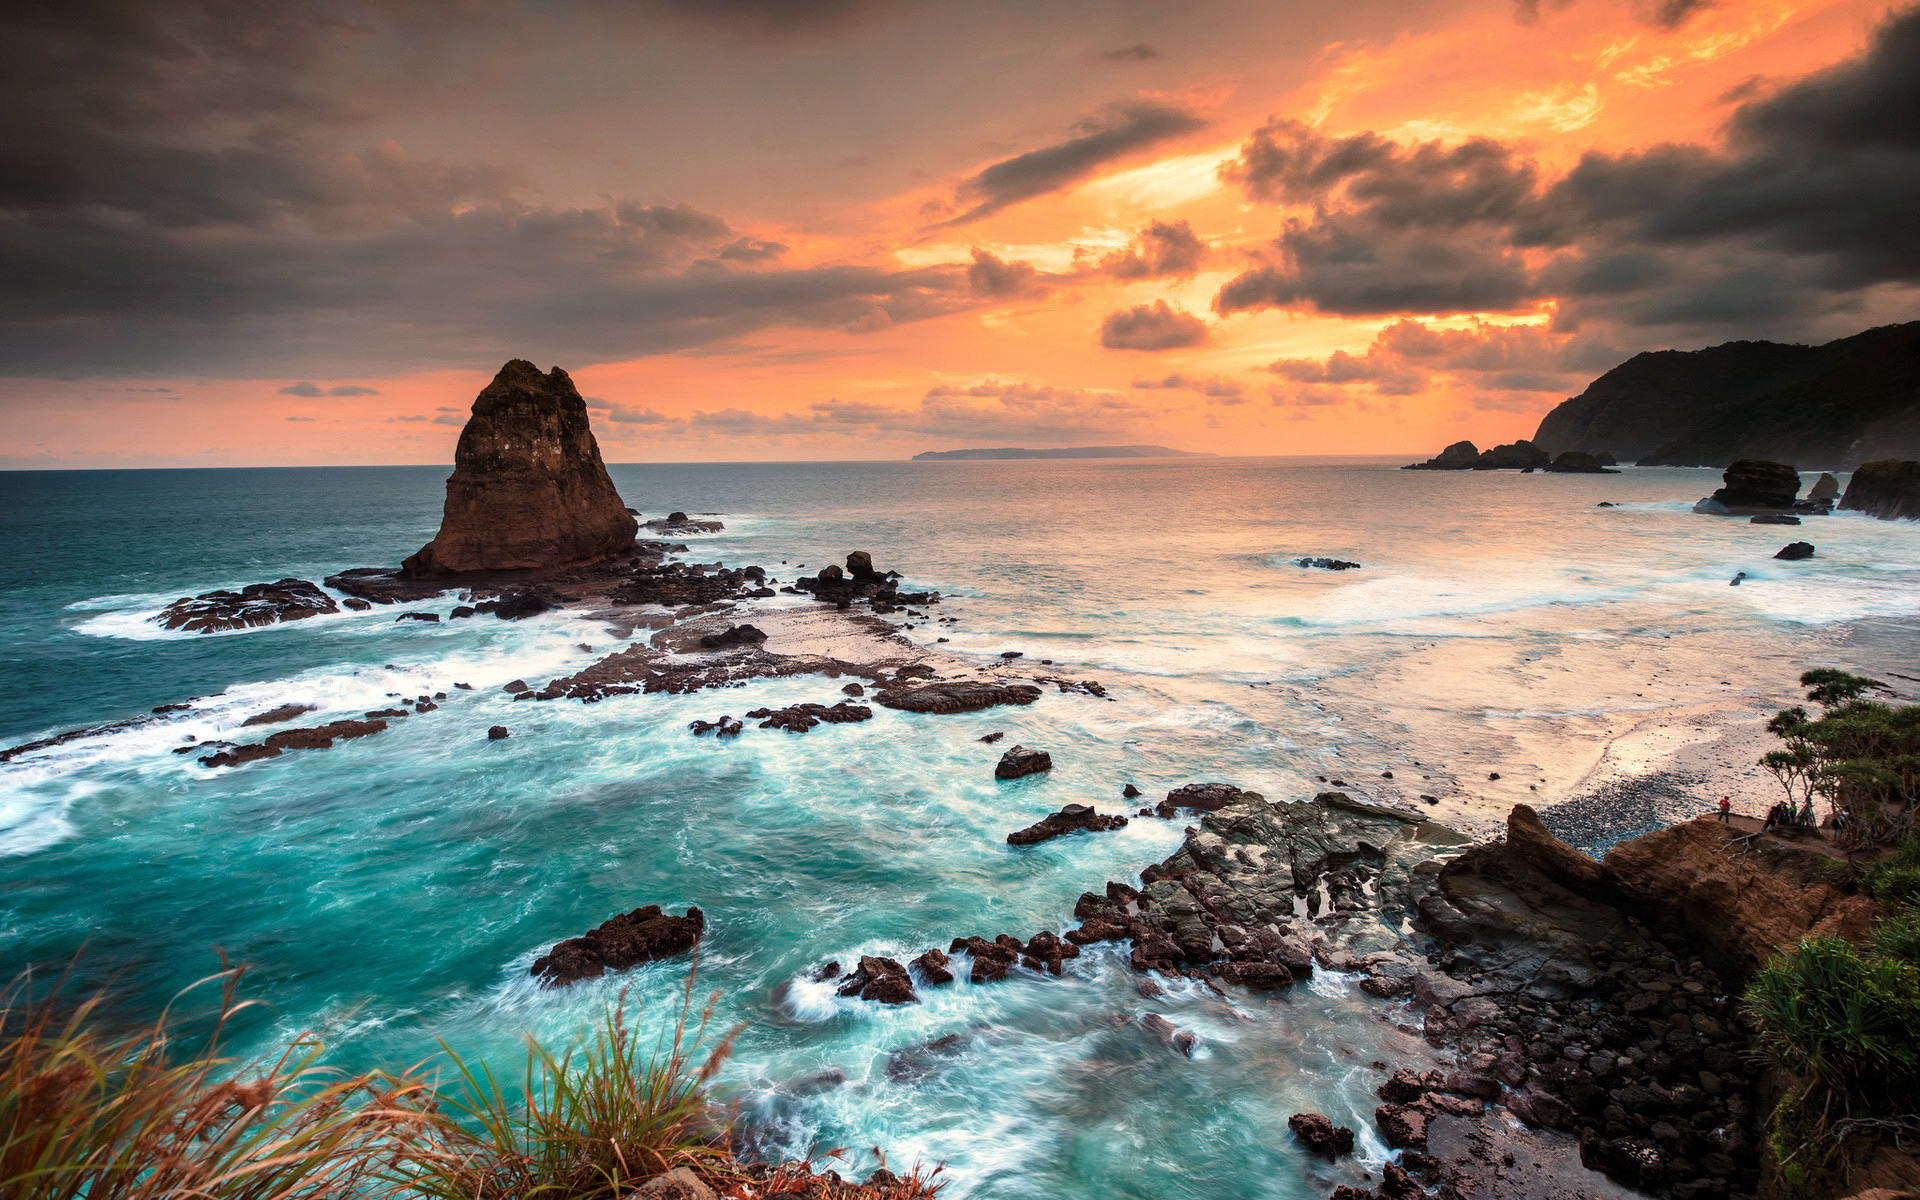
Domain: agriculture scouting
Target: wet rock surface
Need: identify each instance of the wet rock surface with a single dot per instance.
(1329, 564)
(1074, 818)
(1795, 551)
(1019, 762)
(528, 489)
(1753, 485)
(318, 737)
(1200, 797)
(252, 606)
(641, 936)
(798, 718)
(1321, 1136)
(1888, 488)
(882, 980)
(955, 696)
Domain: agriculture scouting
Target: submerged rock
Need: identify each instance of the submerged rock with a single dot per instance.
(528, 489)
(1773, 519)
(1074, 818)
(1019, 762)
(1888, 488)
(252, 606)
(1329, 564)
(318, 737)
(641, 936)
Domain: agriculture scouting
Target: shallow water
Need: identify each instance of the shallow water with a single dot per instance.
(397, 888)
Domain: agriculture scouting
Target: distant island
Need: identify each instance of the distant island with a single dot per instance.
(1059, 452)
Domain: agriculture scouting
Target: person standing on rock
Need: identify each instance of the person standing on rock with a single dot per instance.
(1726, 806)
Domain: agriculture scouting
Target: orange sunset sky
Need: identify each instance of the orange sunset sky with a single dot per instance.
(283, 234)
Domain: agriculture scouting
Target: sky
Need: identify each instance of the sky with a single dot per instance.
(251, 232)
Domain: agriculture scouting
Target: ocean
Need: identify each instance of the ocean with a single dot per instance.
(1505, 640)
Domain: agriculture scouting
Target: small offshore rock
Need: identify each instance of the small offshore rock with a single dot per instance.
(641, 936)
(1329, 564)
(882, 980)
(1201, 797)
(497, 732)
(1074, 818)
(1795, 551)
(1321, 1136)
(1019, 762)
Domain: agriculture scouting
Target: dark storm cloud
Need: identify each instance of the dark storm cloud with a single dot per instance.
(1809, 201)
(191, 184)
(1114, 135)
(1161, 248)
(1152, 327)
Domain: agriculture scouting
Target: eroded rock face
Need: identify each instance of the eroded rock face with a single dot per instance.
(641, 936)
(1746, 907)
(1888, 489)
(1074, 818)
(528, 490)
(254, 605)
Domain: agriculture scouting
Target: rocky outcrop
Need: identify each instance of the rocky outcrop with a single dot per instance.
(1074, 818)
(641, 936)
(733, 635)
(1328, 564)
(1458, 457)
(1754, 485)
(1825, 490)
(1321, 1136)
(881, 980)
(528, 490)
(798, 718)
(1888, 489)
(1795, 551)
(318, 737)
(860, 580)
(1020, 762)
(1577, 462)
(1200, 797)
(678, 524)
(955, 696)
(1825, 406)
(1522, 455)
(1741, 903)
(252, 606)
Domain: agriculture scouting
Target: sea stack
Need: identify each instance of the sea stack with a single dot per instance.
(528, 489)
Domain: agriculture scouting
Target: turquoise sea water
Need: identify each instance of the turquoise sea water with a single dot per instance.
(395, 889)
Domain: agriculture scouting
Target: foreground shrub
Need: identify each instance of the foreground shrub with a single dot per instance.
(91, 1114)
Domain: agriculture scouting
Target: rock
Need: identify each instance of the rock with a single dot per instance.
(1888, 488)
(519, 605)
(426, 617)
(1743, 909)
(1825, 490)
(1754, 484)
(1131, 792)
(1529, 841)
(798, 718)
(252, 606)
(1401, 1127)
(679, 522)
(1321, 1136)
(1738, 578)
(1329, 564)
(678, 1184)
(528, 489)
(733, 635)
(1201, 797)
(1458, 457)
(854, 689)
(860, 568)
(274, 716)
(1019, 762)
(1074, 818)
(1795, 551)
(318, 737)
(496, 732)
(1578, 463)
(991, 738)
(721, 728)
(1773, 519)
(1516, 456)
(515, 687)
(934, 967)
(641, 936)
(956, 697)
(882, 980)
(1171, 1036)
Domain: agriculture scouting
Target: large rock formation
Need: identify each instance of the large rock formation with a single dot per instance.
(1822, 406)
(254, 605)
(1887, 489)
(1753, 486)
(528, 490)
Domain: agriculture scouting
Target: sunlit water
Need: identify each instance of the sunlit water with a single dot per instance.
(395, 889)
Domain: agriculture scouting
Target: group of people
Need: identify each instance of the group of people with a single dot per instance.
(1784, 814)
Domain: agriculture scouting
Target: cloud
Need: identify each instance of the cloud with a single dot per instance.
(310, 389)
(1509, 367)
(1152, 327)
(302, 418)
(1138, 52)
(1216, 386)
(1160, 248)
(1305, 397)
(993, 276)
(1807, 204)
(1099, 141)
(623, 414)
